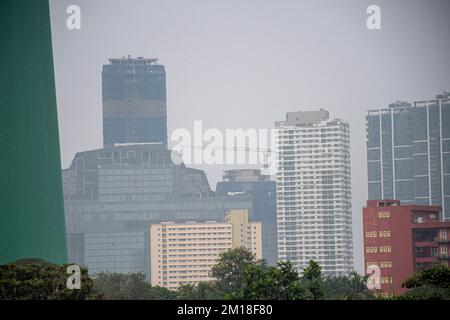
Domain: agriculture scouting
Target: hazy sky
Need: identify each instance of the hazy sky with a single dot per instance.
(244, 64)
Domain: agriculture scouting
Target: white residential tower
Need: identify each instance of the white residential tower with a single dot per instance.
(313, 191)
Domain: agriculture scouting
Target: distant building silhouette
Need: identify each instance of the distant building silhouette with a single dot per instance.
(134, 101)
(113, 195)
(408, 153)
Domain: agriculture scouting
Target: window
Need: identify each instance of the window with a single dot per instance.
(443, 234)
(371, 249)
(384, 234)
(384, 214)
(385, 249)
(386, 279)
(146, 157)
(371, 234)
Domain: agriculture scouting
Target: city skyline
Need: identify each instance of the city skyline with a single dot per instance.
(247, 166)
(320, 55)
(113, 195)
(238, 151)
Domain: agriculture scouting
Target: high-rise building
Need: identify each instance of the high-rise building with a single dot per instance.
(113, 195)
(184, 253)
(245, 233)
(408, 153)
(401, 239)
(262, 193)
(313, 191)
(31, 200)
(134, 101)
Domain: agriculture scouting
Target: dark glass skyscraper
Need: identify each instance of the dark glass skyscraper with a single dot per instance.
(408, 153)
(389, 140)
(113, 195)
(134, 101)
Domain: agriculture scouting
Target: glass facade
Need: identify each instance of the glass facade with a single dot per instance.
(390, 159)
(408, 149)
(134, 101)
(113, 196)
(122, 252)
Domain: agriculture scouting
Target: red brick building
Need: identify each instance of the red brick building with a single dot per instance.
(401, 239)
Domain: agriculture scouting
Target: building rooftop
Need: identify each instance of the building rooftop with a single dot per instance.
(400, 106)
(133, 61)
(244, 175)
(397, 203)
(304, 118)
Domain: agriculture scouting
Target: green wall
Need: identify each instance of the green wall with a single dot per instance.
(31, 201)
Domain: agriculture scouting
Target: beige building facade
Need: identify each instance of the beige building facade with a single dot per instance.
(184, 253)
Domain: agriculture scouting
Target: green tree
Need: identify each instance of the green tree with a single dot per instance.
(436, 277)
(201, 291)
(133, 286)
(36, 279)
(426, 292)
(428, 284)
(229, 270)
(262, 282)
(161, 293)
(312, 280)
(351, 287)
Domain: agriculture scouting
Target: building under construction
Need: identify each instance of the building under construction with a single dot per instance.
(134, 101)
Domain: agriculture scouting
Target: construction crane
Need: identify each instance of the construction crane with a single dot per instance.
(265, 151)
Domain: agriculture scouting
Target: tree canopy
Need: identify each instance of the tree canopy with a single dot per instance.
(428, 284)
(229, 270)
(276, 283)
(132, 286)
(238, 274)
(36, 279)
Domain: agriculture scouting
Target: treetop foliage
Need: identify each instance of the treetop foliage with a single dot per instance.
(238, 274)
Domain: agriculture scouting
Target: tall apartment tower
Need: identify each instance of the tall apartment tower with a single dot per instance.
(313, 191)
(134, 101)
(408, 153)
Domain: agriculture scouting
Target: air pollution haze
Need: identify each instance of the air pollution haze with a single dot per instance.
(245, 64)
